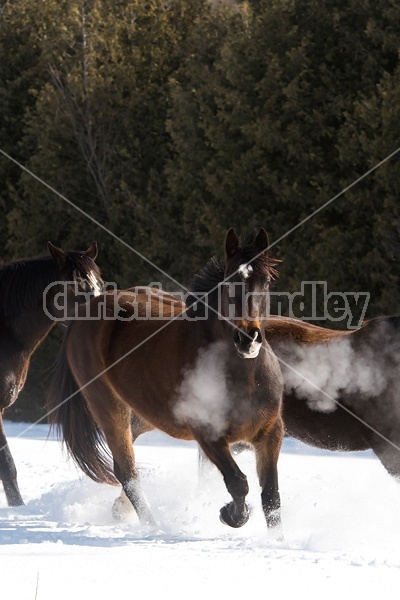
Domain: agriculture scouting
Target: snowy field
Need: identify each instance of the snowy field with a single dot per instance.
(341, 516)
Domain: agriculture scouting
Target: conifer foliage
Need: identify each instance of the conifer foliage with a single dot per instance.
(169, 121)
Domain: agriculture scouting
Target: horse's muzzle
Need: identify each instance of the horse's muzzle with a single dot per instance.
(248, 343)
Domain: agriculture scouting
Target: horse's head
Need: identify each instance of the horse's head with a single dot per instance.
(245, 290)
(78, 275)
(78, 268)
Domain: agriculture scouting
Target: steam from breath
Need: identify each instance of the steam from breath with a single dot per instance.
(203, 394)
(320, 373)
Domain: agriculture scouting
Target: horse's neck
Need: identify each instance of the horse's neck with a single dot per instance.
(214, 330)
(30, 327)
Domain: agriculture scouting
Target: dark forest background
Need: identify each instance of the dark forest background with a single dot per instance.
(170, 121)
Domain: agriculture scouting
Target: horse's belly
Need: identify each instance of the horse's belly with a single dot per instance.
(336, 430)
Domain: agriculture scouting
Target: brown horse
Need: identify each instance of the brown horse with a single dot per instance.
(193, 376)
(29, 308)
(340, 387)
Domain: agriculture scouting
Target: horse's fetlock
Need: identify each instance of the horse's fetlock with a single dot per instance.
(238, 487)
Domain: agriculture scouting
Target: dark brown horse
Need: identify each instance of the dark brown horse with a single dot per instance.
(340, 387)
(194, 376)
(30, 303)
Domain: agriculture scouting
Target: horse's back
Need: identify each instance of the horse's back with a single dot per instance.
(116, 323)
(288, 329)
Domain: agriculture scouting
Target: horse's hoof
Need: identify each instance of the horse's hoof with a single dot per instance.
(228, 517)
(122, 510)
(116, 510)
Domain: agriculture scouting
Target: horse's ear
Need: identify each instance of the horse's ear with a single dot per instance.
(232, 243)
(91, 252)
(261, 241)
(57, 254)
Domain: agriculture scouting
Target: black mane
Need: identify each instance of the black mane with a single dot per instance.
(22, 283)
(209, 277)
(206, 282)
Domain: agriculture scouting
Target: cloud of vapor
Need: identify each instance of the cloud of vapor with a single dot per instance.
(203, 394)
(334, 368)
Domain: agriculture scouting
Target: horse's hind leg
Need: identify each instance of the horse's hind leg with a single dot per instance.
(8, 471)
(236, 513)
(267, 446)
(127, 474)
(122, 507)
(113, 416)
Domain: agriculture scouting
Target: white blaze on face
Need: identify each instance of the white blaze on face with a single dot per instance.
(245, 271)
(97, 289)
(254, 349)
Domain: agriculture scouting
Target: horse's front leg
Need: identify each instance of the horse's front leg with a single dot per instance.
(8, 471)
(236, 513)
(267, 445)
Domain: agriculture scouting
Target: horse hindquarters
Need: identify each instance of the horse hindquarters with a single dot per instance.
(85, 414)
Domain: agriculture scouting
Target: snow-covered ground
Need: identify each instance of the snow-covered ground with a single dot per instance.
(341, 516)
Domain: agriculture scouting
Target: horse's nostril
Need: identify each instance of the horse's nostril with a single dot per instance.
(240, 337)
(256, 335)
(245, 338)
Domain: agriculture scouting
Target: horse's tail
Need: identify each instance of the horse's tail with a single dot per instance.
(69, 414)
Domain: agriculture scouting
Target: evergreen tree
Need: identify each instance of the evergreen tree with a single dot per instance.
(168, 122)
